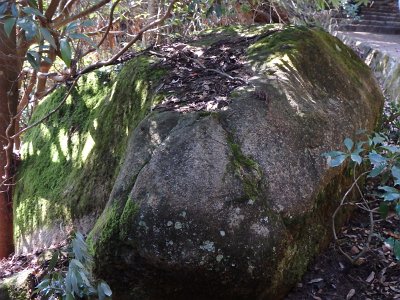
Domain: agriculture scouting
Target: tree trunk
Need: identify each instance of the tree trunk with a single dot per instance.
(10, 67)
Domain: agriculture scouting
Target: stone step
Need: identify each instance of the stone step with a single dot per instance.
(380, 10)
(372, 22)
(376, 23)
(367, 28)
(377, 12)
(377, 17)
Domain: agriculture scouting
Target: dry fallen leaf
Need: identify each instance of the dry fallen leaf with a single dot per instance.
(370, 277)
(316, 280)
(355, 250)
(350, 294)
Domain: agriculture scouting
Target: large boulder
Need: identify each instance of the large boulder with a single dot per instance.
(233, 203)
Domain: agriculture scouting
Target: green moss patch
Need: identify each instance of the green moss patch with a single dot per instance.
(70, 161)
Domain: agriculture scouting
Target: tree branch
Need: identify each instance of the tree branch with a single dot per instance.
(81, 14)
(110, 22)
(51, 10)
(134, 40)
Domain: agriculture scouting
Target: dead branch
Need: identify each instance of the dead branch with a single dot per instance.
(82, 14)
(134, 40)
(343, 203)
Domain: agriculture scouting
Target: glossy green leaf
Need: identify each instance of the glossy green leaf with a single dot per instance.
(69, 296)
(34, 59)
(390, 193)
(377, 159)
(66, 52)
(9, 25)
(14, 10)
(395, 245)
(333, 153)
(392, 148)
(376, 171)
(337, 161)
(356, 158)
(54, 259)
(106, 289)
(29, 27)
(396, 175)
(3, 8)
(348, 143)
(48, 37)
(32, 11)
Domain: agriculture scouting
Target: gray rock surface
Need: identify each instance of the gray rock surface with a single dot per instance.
(233, 204)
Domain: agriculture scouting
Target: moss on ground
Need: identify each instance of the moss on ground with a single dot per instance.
(71, 160)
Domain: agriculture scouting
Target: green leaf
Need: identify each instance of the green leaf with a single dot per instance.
(333, 153)
(377, 159)
(348, 143)
(54, 260)
(391, 148)
(69, 296)
(48, 37)
(383, 209)
(376, 171)
(337, 161)
(66, 52)
(33, 3)
(395, 245)
(34, 59)
(3, 8)
(397, 208)
(14, 10)
(378, 139)
(43, 284)
(390, 194)
(396, 175)
(356, 158)
(32, 11)
(106, 289)
(71, 26)
(28, 26)
(9, 25)
(100, 292)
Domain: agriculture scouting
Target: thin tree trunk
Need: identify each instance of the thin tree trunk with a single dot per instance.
(10, 67)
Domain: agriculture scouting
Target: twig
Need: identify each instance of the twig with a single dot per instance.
(110, 23)
(215, 70)
(342, 203)
(134, 40)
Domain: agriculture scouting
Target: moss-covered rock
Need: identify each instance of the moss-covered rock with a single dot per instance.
(234, 204)
(230, 204)
(16, 287)
(70, 161)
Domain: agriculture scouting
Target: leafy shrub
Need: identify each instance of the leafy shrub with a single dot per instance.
(383, 159)
(76, 281)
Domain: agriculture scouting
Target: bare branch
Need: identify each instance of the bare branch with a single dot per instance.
(51, 10)
(82, 14)
(110, 23)
(134, 40)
